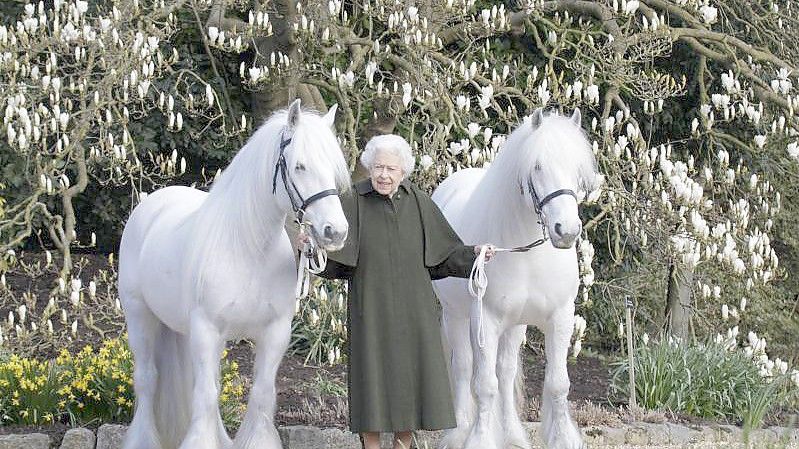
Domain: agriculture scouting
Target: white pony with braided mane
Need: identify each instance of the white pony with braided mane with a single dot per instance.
(531, 189)
(197, 269)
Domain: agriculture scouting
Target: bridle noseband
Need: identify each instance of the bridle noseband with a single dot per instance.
(298, 204)
(539, 204)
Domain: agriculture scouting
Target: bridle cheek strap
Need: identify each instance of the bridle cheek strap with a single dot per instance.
(298, 204)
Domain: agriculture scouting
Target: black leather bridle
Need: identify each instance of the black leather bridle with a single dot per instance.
(298, 203)
(539, 204)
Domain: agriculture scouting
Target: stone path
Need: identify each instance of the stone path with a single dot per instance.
(636, 435)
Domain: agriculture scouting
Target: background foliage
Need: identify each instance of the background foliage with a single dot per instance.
(691, 106)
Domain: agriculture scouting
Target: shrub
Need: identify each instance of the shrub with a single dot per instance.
(319, 330)
(97, 385)
(706, 380)
(86, 387)
(28, 391)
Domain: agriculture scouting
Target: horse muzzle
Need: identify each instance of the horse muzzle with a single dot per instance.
(330, 237)
(564, 237)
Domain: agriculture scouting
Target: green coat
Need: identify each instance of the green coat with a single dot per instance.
(397, 375)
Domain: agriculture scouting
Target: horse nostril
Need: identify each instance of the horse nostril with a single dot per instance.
(557, 230)
(328, 232)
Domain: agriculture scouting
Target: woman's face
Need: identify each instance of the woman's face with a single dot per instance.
(386, 172)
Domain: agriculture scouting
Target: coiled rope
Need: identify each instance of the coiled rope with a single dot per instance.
(478, 279)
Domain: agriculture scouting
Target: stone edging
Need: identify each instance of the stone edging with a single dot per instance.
(109, 436)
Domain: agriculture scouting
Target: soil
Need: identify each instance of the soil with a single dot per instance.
(589, 376)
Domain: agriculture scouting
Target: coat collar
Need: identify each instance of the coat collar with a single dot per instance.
(365, 186)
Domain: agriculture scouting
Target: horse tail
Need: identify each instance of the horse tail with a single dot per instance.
(173, 391)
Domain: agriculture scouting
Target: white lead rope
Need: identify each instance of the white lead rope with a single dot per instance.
(478, 283)
(478, 280)
(313, 260)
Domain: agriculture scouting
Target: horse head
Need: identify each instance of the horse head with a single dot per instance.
(309, 172)
(562, 169)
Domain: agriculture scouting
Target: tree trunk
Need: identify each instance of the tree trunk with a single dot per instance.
(276, 96)
(679, 302)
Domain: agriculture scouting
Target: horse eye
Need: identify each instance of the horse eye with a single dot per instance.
(537, 167)
(300, 166)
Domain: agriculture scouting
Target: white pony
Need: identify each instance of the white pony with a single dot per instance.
(197, 269)
(528, 191)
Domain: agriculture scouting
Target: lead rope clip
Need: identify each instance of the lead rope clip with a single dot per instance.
(313, 260)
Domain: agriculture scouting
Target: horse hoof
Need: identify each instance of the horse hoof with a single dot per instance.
(477, 441)
(518, 442)
(454, 439)
(569, 437)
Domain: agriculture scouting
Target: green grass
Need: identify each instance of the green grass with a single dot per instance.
(704, 380)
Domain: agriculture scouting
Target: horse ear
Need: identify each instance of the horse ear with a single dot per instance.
(330, 117)
(537, 117)
(294, 113)
(577, 117)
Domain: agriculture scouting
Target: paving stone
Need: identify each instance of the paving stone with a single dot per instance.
(29, 441)
(595, 435)
(636, 434)
(729, 434)
(658, 433)
(679, 434)
(787, 435)
(307, 437)
(428, 438)
(79, 438)
(761, 437)
(110, 436)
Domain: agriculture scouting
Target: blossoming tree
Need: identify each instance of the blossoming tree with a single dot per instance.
(74, 77)
(690, 104)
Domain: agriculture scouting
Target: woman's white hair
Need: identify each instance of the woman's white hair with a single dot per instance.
(390, 143)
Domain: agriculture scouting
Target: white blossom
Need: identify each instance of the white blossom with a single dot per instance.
(473, 129)
(461, 102)
(709, 14)
(213, 34)
(487, 93)
(793, 150)
(406, 94)
(631, 7)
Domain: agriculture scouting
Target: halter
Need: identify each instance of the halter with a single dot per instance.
(313, 258)
(298, 204)
(478, 279)
(539, 204)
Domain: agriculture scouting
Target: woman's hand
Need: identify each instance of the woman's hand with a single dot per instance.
(489, 250)
(302, 239)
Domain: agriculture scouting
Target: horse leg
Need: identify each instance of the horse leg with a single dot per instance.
(258, 428)
(206, 345)
(143, 328)
(457, 336)
(559, 429)
(507, 371)
(486, 433)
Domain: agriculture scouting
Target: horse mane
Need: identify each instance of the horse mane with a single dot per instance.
(240, 206)
(557, 145)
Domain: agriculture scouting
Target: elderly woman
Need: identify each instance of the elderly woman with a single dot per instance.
(398, 241)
